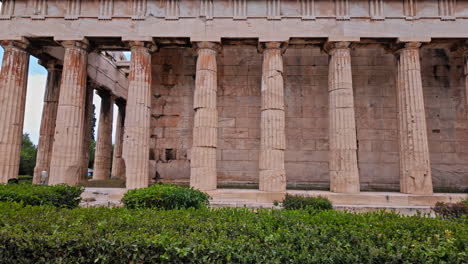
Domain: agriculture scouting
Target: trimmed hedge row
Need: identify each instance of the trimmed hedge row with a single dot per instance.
(45, 234)
(31, 194)
(165, 197)
(294, 202)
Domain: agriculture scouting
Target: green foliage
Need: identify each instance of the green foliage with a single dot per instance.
(27, 156)
(451, 210)
(293, 202)
(28, 194)
(166, 197)
(120, 235)
(25, 179)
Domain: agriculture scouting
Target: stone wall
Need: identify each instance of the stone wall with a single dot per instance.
(306, 98)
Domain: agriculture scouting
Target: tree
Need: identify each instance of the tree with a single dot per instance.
(27, 156)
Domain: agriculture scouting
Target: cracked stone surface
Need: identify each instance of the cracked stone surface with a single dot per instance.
(415, 167)
(49, 116)
(13, 82)
(272, 175)
(67, 152)
(203, 173)
(137, 119)
(344, 173)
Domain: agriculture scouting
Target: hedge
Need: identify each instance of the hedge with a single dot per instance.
(31, 194)
(165, 196)
(292, 202)
(45, 234)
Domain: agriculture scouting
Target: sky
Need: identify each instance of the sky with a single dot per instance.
(37, 78)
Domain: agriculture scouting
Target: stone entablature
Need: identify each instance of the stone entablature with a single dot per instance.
(208, 20)
(237, 9)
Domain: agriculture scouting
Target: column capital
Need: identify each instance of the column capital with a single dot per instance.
(22, 44)
(398, 47)
(79, 44)
(136, 44)
(330, 46)
(51, 64)
(282, 45)
(211, 45)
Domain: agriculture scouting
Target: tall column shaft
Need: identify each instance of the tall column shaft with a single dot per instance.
(13, 82)
(118, 168)
(67, 151)
(49, 116)
(272, 174)
(415, 167)
(137, 117)
(102, 158)
(203, 174)
(343, 165)
(88, 130)
(465, 58)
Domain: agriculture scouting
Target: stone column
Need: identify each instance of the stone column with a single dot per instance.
(203, 173)
(49, 116)
(465, 58)
(118, 168)
(343, 166)
(138, 116)
(13, 82)
(88, 129)
(272, 174)
(67, 152)
(415, 167)
(102, 158)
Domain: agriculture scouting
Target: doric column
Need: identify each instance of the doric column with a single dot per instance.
(67, 152)
(465, 58)
(415, 167)
(102, 158)
(49, 116)
(203, 174)
(272, 175)
(343, 166)
(138, 116)
(88, 129)
(13, 82)
(118, 168)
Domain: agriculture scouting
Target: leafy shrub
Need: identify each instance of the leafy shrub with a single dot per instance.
(43, 234)
(57, 195)
(451, 210)
(294, 202)
(166, 197)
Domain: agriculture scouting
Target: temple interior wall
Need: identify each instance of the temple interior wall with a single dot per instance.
(306, 98)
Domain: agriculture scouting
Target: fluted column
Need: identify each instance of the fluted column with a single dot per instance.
(13, 82)
(203, 174)
(272, 174)
(102, 158)
(88, 129)
(343, 165)
(67, 152)
(118, 168)
(415, 167)
(49, 116)
(138, 116)
(465, 58)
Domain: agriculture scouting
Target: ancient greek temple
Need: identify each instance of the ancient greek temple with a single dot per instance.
(344, 95)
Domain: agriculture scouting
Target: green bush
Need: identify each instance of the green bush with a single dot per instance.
(29, 194)
(166, 197)
(451, 210)
(45, 234)
(294, 202)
